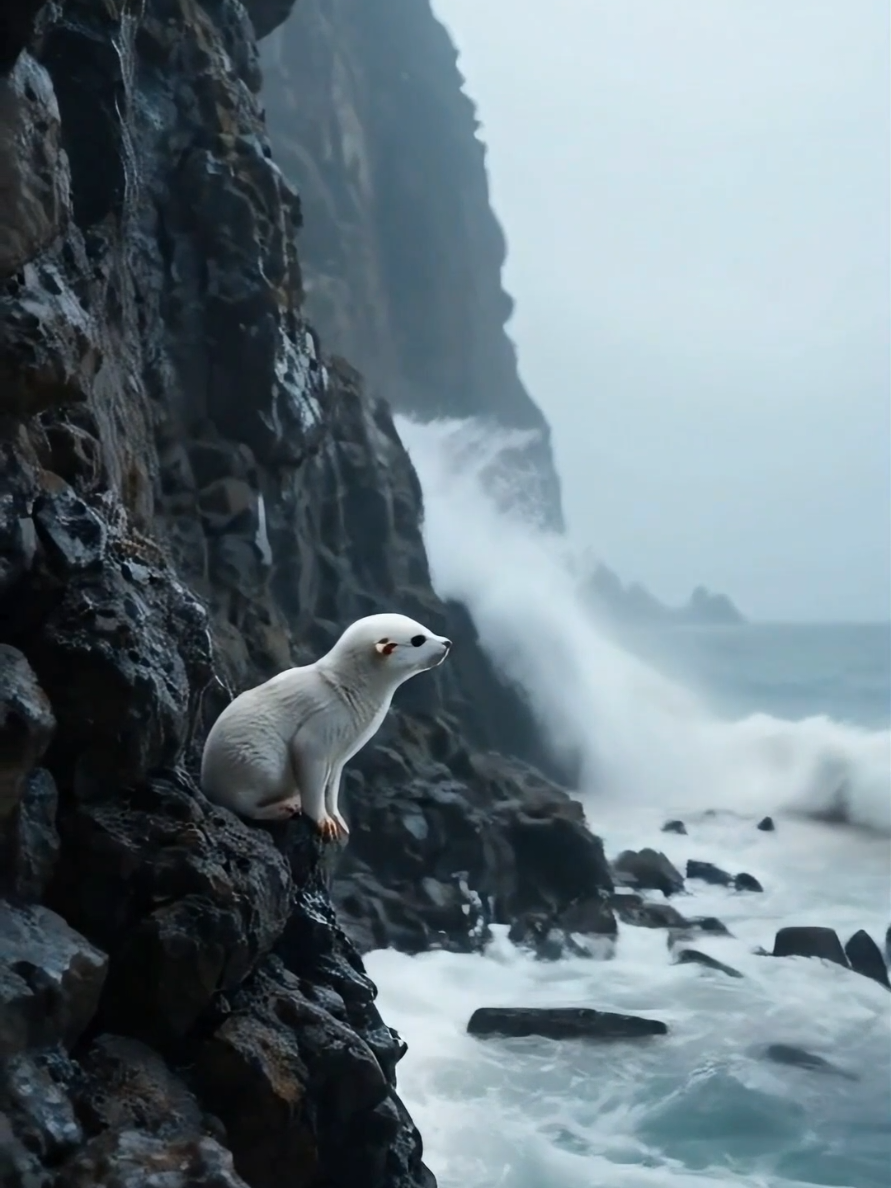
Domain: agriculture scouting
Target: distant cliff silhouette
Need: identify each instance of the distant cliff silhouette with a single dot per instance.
(633, 603)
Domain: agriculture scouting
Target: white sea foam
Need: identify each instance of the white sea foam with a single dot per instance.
(701, 1107)
(643, 738)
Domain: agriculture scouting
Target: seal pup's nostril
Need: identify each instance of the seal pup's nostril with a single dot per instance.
(447, 643)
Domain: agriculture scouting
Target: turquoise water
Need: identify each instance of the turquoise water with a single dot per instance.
(842, 671)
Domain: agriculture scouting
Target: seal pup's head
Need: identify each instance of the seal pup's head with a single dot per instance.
(393, 646)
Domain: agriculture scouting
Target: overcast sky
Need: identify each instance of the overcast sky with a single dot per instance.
(696, 197)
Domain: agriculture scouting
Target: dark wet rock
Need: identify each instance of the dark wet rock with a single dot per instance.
(713, 875)
(26, 727)
(29, 846)
(766, 825)
(116, 656)
(19, 1166)
(34, 178)
(73, 536)
(561, 1023)
(746, 882)
(674, 827)
(551, 942)
(185, 900)
(293, 1082)
(694, 929)
(590, 917)
(648, 870)
(708, 873)
(557, 858)
(709, 924)
(888, 944)
(38, 1104)
(796, 1057)
(50, 979)
(125, 1085)
(633, 909)
(131, 1159)
(695, 957)
(865, 957)
(809, 942)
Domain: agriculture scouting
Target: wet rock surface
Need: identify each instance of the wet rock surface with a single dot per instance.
(561, 1023)
(810, 942)
(865, 957)
(194, 496)
(648, 870)
(50, 979)
(708, 873)
(695, 957)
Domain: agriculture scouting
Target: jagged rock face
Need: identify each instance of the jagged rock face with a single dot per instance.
(191, 498)
(402, 253)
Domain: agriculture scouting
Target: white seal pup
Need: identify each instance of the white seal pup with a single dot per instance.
(279, 748)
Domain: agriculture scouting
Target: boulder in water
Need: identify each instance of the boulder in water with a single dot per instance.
(708, 873)
(766, 825)
(799, 1058)
(866, 958)
(538, 933)
(633, 909)
(561, 1023)
(810, 942)
(746, 882)
(694, 957)
(674, 827)
(649, 870)
(888, 944)
(709, 924)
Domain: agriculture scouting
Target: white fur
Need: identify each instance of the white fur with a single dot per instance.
(281, 747)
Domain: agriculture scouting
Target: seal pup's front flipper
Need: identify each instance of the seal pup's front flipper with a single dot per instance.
(311, 770)
(332, 793)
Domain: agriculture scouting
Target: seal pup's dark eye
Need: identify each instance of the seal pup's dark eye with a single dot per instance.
(417, 640)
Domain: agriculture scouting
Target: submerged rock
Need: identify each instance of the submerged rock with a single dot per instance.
(695, 957)
(633, 909)
(649, 870)
(708, 873)
(809, 941)
(674, 827)
(799, 1058)
(561, 1023)
(746, 882)
(865, 957)
(766, 825)
(551, 936)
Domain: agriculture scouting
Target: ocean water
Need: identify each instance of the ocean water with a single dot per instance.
(717, 727)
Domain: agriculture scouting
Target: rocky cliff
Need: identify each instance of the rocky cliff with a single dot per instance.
(194, 495)
(402, 254)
